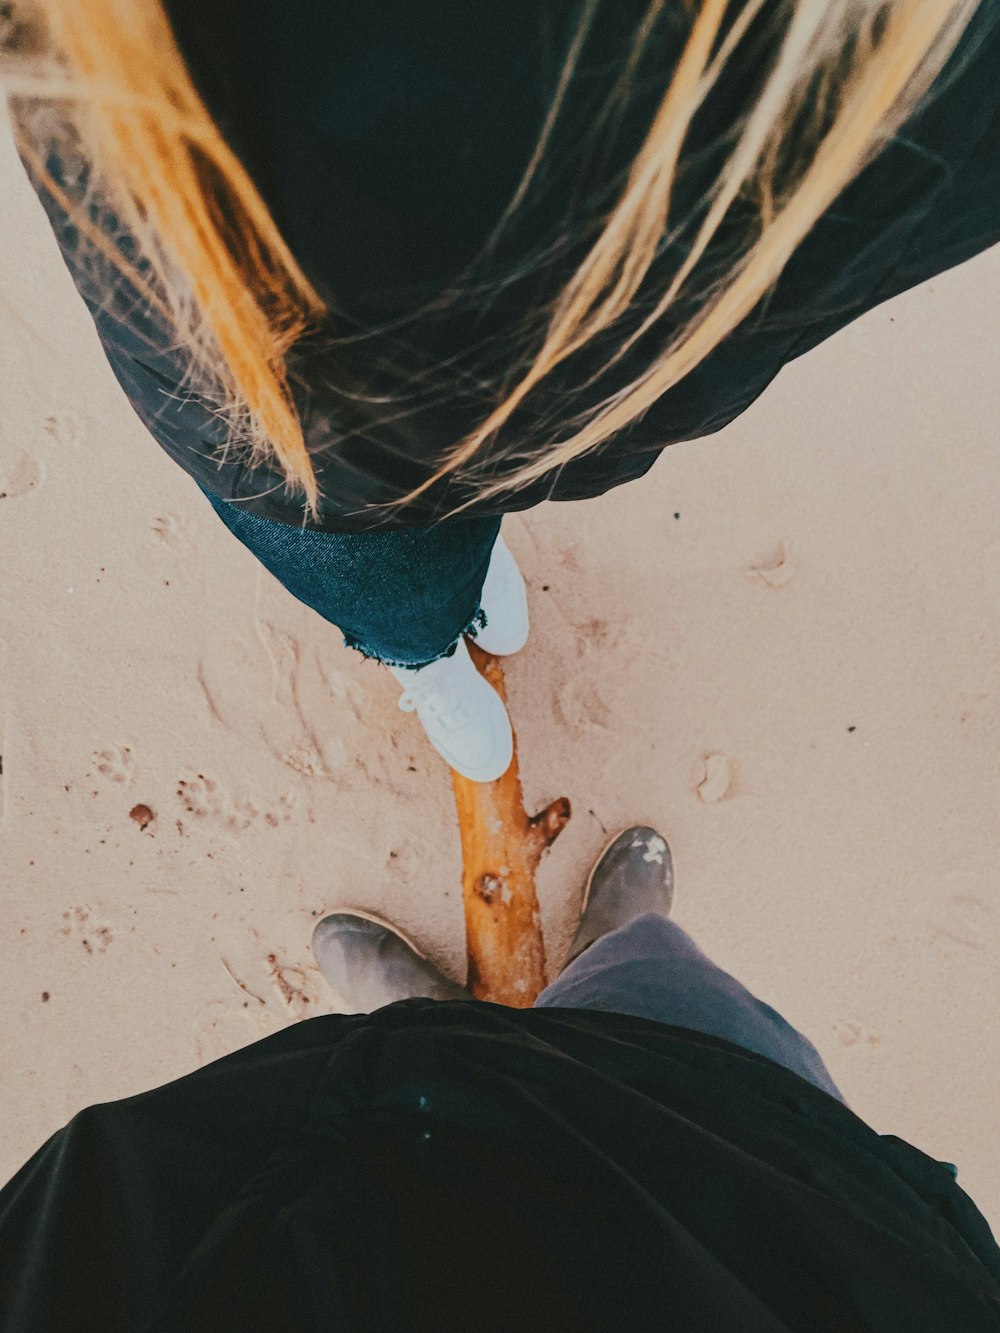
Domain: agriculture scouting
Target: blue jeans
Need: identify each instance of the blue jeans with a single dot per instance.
(404, 596)
(652, 969)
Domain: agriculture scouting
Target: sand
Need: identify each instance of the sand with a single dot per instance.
(779, 649)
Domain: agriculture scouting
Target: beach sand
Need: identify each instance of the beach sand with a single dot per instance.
(780, 649)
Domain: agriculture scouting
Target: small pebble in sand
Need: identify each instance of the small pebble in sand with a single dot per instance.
(142, 815)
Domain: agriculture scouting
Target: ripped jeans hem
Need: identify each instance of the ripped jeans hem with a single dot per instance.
(478, 622)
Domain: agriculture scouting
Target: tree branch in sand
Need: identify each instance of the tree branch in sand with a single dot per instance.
(501, 848)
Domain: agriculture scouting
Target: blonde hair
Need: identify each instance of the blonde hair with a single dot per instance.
(851, 70)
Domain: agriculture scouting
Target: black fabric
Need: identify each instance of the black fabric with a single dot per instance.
(387, 139)
(464, 1165)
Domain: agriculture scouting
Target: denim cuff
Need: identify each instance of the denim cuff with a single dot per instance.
(478, 622)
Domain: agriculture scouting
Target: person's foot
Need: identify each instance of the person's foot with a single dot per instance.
(463, 716)
(505, 601)
(370, 963)
(633, 875)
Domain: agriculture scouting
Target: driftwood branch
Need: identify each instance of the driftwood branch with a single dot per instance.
(501, 848)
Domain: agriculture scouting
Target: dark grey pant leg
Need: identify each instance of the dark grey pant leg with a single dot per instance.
(653, 969)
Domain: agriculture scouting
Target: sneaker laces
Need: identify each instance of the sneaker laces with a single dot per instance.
(447, 707)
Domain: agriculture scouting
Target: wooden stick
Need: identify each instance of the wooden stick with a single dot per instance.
(501, 848)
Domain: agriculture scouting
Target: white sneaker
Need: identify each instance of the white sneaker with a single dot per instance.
(505, 601)
(463, 716)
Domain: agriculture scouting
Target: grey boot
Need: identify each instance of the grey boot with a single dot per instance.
(633, 875)
(369, 963)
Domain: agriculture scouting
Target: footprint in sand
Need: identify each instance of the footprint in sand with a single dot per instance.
(92, 937)
(593, 633)
(963, 918)
(24, 475)
(115, 762)
(306, 758)
(855, 1032)
(168, 528)
(581, 707)
(205, 798)
(66, 427)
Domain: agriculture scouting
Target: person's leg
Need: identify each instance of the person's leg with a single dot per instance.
(404, 596)
(652, 969)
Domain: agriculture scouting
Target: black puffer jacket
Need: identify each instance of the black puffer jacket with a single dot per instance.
(438, 1165)
(387, 138)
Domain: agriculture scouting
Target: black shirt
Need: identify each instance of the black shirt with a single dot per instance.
(387, 138)
(439, 1165)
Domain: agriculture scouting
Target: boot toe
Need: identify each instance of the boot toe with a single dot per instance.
(371, 964)
(632, 876)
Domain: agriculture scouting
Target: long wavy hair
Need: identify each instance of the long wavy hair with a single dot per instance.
(848, 71)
